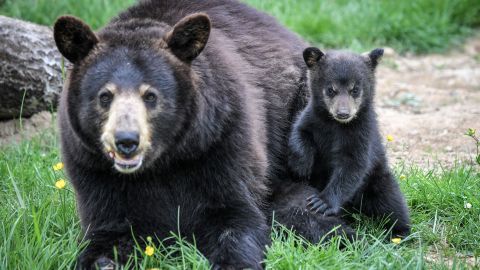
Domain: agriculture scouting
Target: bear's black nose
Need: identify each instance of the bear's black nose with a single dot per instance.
(126, 142)
(343, 115)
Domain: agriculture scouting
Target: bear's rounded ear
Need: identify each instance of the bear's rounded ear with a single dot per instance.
(74, 38)
(189, 36)
(312, 55)
(374, 57)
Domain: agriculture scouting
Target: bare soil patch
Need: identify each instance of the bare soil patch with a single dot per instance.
(428, 102)
(13, 131)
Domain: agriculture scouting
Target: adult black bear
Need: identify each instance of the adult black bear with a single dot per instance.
(163, 131)
(336, 144)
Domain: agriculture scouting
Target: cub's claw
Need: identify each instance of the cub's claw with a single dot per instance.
(331, 211)
(316, 205)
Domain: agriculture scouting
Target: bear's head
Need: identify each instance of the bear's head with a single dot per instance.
(342, 83)
(131, 91)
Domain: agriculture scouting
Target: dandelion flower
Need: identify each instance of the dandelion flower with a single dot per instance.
(149, 250)
(60, 184)
(58, 166)
(467, 205)
(396, 240)
(149, 239)
(389, 138)
(402, 177)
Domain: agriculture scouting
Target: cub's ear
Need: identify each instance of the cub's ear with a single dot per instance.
(189, 36)
(312, 55)
(74, 38)
(374, 57)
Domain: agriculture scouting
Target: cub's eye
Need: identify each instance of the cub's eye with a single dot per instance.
(331, 92)
(150, 97)
(105, 97)
(355, 91)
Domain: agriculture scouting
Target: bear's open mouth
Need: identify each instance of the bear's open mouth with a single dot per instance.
(343, 121)
(126, 165)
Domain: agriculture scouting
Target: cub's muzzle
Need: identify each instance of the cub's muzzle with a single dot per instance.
(342, 115)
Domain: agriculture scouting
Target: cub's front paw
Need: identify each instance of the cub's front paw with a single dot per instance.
(317, 204)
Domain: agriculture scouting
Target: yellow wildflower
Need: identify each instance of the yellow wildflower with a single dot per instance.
(389, 138)
(149, 250)
(60, 184)
(402, 177)
(149, 239)
(396, 240)
(58, 166)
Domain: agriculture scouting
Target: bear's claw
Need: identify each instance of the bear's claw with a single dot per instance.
(104, 263)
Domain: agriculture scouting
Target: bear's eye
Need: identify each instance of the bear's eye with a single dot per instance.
(354, 91)
(331, 92)
(150, 97)
(105, 97)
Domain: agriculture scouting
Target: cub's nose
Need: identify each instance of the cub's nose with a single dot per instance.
(343, 115)
(126, 142)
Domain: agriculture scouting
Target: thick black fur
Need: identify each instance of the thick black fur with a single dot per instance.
(345, 162)
(231, 79)
(291, 211)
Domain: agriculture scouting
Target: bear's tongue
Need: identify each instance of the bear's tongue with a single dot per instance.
(128, 162)
(126, 165)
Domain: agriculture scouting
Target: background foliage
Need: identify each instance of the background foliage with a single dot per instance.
(412, 25)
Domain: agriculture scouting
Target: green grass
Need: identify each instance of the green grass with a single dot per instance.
(417, 26)
(96, 12)
(39, 227)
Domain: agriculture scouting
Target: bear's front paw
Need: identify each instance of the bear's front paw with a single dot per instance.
(223, 267)
(231, 267)
(104, 263)
(317, 204)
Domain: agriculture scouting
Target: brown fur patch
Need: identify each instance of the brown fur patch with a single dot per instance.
(127, 113)
(111, 87)
(143, 88)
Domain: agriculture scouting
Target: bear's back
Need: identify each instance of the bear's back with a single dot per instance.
(263, 52)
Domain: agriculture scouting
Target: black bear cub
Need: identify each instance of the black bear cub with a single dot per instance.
(336, 145)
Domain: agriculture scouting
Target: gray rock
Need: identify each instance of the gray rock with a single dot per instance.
(30, 69)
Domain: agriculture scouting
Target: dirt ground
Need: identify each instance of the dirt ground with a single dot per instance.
(426, 103)
(13, 131)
